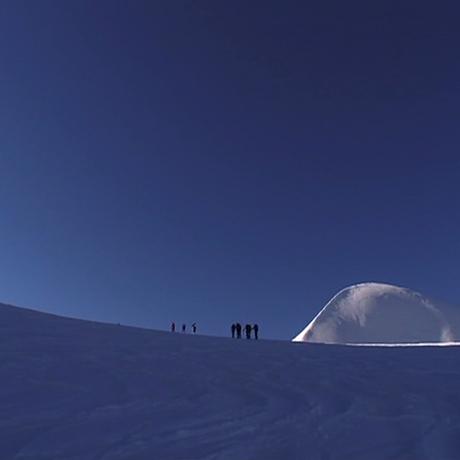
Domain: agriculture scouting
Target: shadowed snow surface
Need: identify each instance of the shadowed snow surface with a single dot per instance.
(80, 390)
(381, 313)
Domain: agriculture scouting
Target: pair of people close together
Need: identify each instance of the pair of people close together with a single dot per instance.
(237, 329)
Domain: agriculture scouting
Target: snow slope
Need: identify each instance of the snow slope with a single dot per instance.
(74, 389)
(381, 313)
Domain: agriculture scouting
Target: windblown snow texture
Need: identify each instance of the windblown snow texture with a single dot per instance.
(78, 390)
(381, 313)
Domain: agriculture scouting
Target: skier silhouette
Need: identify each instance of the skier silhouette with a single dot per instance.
(173, 327)
(233, 330)
(194, 328)
(247, 329)
(183, 327)
(255, 328)
(238, 330)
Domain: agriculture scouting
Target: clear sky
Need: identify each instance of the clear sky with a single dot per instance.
(220, 161)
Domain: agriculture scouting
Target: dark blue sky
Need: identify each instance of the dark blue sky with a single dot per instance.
(218, 161)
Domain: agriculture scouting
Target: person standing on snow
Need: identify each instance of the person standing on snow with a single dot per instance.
(238, 330)
(247, 329)
(255, 328)
(194, 328)
(233, 328)
(173, 327)
(183, 328)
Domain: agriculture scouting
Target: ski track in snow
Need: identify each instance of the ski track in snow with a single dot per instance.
(80, 390)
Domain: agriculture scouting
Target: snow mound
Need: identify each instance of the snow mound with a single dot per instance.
(382, 313)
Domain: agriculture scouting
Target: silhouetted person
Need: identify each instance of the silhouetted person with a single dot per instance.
(233, 330)
(238, 330)
(194, 328)
(183, 327)
(173, 327)
(255, 328)
(247, 329)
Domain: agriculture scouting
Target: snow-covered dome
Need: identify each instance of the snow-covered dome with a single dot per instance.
(381, 313)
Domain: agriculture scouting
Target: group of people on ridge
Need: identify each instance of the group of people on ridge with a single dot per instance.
(237, 329)
(184, 327)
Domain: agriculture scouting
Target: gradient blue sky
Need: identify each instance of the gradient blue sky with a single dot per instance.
(218, 161)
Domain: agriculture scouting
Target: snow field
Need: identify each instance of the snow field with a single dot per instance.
(74, 389)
